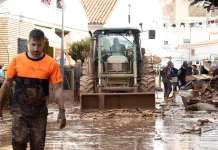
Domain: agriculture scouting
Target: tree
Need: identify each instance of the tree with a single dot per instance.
(79, 49)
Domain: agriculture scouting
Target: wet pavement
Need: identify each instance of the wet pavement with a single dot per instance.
(173, 129)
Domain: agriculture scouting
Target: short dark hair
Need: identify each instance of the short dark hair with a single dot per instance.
(37, 34)
(0, 66)
(194, 66)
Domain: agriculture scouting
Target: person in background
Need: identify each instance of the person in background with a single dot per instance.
(2, 76)
(166, 79)
(182, 74)
(1, 71)
(77, 75)
(175, 83)
(212, 68)
(117, 48)
(174, 74)
(195, 70)
(58, 59)
(189, 68)
(204, 70)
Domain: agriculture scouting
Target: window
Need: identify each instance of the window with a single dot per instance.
(165, 42)
(108, 40)
(22, 45)
(186, 40)
(46, 2)
(59, 4)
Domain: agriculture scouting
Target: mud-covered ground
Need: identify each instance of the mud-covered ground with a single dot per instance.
(170, 128)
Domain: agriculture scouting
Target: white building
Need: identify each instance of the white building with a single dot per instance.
(115, 13)
(178, 34)
(19, 17)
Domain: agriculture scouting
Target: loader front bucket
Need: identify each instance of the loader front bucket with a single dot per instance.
(105, 101)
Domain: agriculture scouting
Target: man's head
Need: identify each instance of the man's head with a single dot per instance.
(189, 63)
(169, 64)
(78, 62)
(209, 62)
(172, 65)
(36, 43)
(184, 63)
(116, 41)
(194, 67)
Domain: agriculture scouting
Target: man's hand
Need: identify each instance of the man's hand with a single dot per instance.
(61, 116)
(60, 102)
(4, 91)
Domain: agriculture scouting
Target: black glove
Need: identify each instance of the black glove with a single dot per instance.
(61, 116)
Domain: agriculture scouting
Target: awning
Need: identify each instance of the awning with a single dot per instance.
(53, 39)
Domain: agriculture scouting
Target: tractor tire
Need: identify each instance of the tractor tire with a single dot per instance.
(147, 84)
(149, 69)
(86, 85)
(85, 71)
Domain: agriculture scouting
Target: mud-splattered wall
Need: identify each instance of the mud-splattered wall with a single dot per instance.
(199, 11)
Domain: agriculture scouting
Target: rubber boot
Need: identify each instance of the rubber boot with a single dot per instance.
(78, 94)
(174, 97)
(166, 100)
(75, 95)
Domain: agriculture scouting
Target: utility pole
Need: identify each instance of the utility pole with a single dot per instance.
(62, 42)
(190, 41)
(129, 13)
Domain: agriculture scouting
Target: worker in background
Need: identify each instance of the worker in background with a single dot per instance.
(2, 76)
(175, 83)
(204, 70)
(166, 79)
(1, 71)
(195, 70)
(189, 68)
(174, 76)
(182, 74)
(77, 75)
(117, 48)
(212, 68)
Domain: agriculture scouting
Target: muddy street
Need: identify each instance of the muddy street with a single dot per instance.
(170, 128)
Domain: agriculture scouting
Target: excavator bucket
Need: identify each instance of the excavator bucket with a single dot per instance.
(106, 101)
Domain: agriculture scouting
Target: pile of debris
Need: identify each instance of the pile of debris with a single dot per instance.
(202, 96)
(114, 114)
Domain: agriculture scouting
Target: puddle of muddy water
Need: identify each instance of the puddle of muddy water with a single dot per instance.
(103, 134)
(163, 132)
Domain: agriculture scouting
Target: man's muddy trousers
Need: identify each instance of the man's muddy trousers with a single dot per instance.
(28, 129)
